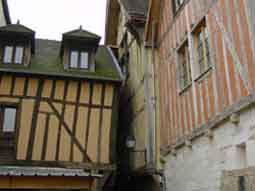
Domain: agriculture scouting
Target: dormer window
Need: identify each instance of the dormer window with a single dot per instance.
(79, 49)
(13, 54)
(79, 59)
(17, 44)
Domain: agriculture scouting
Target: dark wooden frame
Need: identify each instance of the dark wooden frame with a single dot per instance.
(14, 46)
(12, 135)
(196, 30)
(79, 59)
(181, 52)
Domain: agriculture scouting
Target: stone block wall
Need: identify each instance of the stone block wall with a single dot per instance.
(201, 167)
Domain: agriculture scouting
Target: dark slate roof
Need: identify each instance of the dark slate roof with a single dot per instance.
(16, 28)
(136, 6)
(42, 171)
(47, 61)
(81, 33)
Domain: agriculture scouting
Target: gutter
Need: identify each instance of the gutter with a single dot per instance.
(115, 61)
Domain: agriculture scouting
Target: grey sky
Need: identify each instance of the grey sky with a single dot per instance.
(51, 18)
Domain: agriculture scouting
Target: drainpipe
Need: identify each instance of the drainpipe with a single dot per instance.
(156, 125)
(155, 96)
(150, 112)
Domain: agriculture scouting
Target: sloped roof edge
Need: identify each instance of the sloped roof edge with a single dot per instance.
(6, 11)
(82, 33)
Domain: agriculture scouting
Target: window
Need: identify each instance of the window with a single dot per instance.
(177, 4)
(242, 183)
(184, 66)
(7, 119)
(79, 59)
(13, 54)
(201, 40)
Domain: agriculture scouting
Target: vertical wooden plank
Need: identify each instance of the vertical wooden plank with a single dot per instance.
(65, 142)
(109, 95)
(72, 91)
(32, 87)
(246, 38)
(100, 124)
(191, 103)
(25, 127)
(205, 100)
(235, 81)
(227, 74)
(222, 73)
(47, 88)
(170, 97)
(5, 86)
(198, 98)
(97, 93)
(91, 87)
(81, 128)
(78, 155)
(175, 97)
(188, 112)
(52, 138)
(19, 86)
(201, 103)
(62, 116)
(105, 143)
(211, 96)
(37, 85)
(65, 145)
(59, 90)
(213, 56)
(77, 93)
(39, 137)
(93, 135)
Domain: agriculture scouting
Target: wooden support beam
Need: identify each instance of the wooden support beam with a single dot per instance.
(35, 182)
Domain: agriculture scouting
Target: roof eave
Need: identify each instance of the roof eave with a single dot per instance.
(61, 76)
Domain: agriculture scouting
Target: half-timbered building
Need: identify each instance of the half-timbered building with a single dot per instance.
(58, 110)
(206, 80)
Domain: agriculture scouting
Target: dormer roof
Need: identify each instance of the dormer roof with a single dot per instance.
(16, 28)
(81, 34)
(80, 37)
(18, 32)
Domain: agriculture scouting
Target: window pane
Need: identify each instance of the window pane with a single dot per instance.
(74, 59)
(8, 54)
(18, 55)
(9, 120)
(84, 60)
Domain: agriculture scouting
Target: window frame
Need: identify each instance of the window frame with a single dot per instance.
(2, 116)
(184, 66)
(9, 138)
(202, 64)
(79, 61)
(13, 54)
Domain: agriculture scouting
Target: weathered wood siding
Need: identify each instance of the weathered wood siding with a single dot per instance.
(231, 76)
(61, 120)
